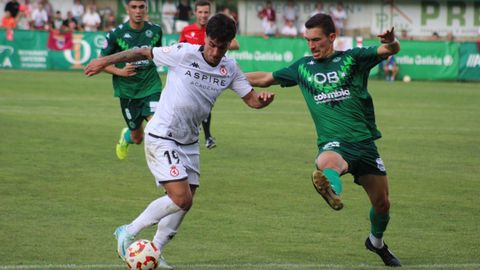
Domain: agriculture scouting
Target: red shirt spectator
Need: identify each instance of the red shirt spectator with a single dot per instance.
(8, 21)
(267, 12)
(193, 34)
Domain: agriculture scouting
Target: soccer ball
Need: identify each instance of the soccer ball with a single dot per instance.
(407, 79)
(142, 255)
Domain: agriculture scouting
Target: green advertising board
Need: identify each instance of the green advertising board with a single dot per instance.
(469, 62)
(28, 50)
(426, 60)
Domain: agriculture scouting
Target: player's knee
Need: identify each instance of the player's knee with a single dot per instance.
(137, 138)
(184, 202)
(382, 205)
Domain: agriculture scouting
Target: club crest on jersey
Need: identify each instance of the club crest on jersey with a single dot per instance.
(223, 70)
(149, 33)
(174, 171)
(105, 43)
(165, 49)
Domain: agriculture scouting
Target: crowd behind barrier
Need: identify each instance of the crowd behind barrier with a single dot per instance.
(420, 60)
(64, 32)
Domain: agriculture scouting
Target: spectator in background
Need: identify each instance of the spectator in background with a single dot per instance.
(233, 15)
(318, 9)
(290, 12)
(57, 21)
(169, 10)
(435, 36)
(24, 18)
(390, 68)
(39, 17)
(48, 8)
(450, 37)
(8, 21)
(12, 7)
(268, 17)
(289, 29)
(91, 19)
(478, 40)
(27, 8)
(109, 22)
(339, 16)
(78, 10)
(184, 12)
(70, 24)
(404, 35)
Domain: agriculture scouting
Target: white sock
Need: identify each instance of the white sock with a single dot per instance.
(376, 242)
(167, 228)
(154, 212)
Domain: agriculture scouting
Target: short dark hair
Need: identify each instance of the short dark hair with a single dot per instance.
(128, 1)
(201, 3)
(323, 21)
(221, 28)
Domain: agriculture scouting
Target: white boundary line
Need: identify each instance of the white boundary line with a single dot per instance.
(238, 266)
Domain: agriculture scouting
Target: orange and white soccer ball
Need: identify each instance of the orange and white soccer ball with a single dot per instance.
(142, 255)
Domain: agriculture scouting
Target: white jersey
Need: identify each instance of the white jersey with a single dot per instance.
(190, 91)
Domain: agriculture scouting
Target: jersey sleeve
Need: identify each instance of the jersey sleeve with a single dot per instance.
(367, 57)
(110, 46)
(287, 76)
(168, 56)
(240, 84)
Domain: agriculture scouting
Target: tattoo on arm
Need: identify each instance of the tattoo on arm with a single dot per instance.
(126, 56)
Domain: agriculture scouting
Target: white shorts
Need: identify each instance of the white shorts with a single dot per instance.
(169, 161)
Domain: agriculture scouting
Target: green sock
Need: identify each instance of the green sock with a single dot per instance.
(334, 179)
(379, 223)
(127, 138)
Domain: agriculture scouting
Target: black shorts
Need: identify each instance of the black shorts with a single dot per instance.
(362, 157)
(135, 111)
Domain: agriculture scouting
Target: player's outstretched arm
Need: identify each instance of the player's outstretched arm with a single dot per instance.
(258, 100)
(261, 79)
(97, 65)
(390, 44)
(127, 71)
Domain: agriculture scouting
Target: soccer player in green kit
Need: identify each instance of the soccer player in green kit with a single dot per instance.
(334, 85)
(137, 84)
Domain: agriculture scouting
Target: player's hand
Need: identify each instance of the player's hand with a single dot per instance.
(128, 70)
(265, 98)
(94, 67)
(388, 36)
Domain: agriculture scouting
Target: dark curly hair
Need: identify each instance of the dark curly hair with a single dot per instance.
(221, 28)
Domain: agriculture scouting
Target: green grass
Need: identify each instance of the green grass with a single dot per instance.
(63, 192)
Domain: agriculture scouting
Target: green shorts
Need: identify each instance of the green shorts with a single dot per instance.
(135, 111)
(362, 157)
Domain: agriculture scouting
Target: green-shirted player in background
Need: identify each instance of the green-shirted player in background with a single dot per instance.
(334, 85)
(138, 84)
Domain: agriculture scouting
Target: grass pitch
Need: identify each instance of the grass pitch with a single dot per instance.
(63, 191)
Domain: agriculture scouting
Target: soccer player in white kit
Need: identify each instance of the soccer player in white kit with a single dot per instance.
(197, 76)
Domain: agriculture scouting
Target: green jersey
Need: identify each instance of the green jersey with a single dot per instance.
(146, 82)
(335, 90)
